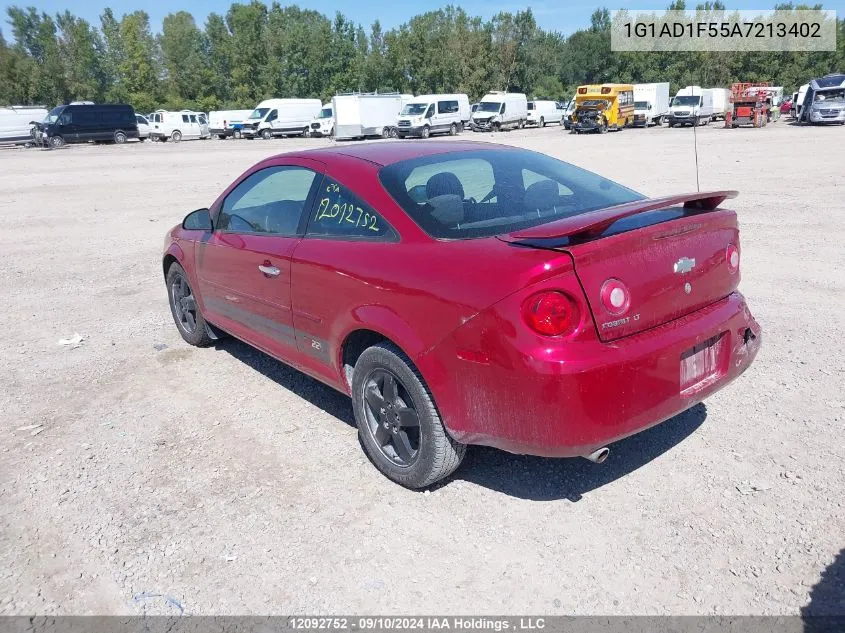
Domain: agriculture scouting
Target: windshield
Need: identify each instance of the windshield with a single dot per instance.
(686, 100)
(489, 106)
(482, 193)
(54, 115)
(640, 105)
(325, 113)
(414, 109)
(830, 95)
(259, 113)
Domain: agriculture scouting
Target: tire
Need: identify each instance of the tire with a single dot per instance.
(426, 132)
(56, 142)
(429, 454)
(305, 132)
(237, 134)
(221, 137)
(385, 132)
(141, 139)
(497, 127)
(394, 133)
(176, 136)
(671, 124)
(603, 128)
(453, 129)
(181, 297)
(266, 134)
(120, 137)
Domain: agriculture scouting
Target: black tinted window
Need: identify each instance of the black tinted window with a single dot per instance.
(269, 201)
(340, 213)
(447, 107)
(489, 192)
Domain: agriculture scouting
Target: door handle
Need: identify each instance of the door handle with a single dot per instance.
(270, 270)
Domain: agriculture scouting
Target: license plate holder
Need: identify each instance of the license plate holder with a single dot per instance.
(702, 364)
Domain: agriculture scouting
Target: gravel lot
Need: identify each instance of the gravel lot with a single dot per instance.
(223, 482)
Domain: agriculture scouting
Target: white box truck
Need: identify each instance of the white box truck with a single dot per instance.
(500, 111)
(721, 100)
(425, 115)
(363, 115)
(281, 117)
(692, 105)
(226, 123)
(16, 123)
(651, 104)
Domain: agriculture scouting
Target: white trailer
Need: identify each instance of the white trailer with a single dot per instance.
(15, 123)
(721, 99)
(651, 104)
(363, 115)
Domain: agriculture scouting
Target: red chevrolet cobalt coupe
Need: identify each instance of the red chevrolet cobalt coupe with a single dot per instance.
(469, 293)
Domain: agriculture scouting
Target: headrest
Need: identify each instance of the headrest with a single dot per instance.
(542, 195)
(442, 184)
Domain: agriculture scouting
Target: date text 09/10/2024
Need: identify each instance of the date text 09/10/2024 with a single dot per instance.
(433, 623)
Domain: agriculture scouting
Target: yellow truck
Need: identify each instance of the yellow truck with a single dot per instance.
(599, 108)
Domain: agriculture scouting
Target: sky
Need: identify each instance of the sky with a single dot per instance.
(550, 15)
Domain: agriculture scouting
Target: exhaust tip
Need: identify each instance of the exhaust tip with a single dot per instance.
(599, 456)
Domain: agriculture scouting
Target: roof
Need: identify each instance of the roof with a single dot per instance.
(834, 80)
(385, 153)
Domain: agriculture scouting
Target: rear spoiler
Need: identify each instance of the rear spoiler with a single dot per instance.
(594, 223)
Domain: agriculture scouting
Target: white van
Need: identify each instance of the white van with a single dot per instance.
(177, 126)
(500, 111)
(541, 113)
(226, 123)
(282, 117)
(433, 114)
(15, 123)
(323, 123)
(692, 105)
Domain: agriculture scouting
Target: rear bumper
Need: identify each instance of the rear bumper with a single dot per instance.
(572, 399)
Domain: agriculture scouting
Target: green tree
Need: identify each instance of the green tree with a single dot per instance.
(183, 52)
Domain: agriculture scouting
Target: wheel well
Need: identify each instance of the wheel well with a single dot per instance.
(354, 346)
(169, 260)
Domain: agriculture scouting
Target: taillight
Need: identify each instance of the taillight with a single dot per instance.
(732, 258)
(551, 313)
(615, 297)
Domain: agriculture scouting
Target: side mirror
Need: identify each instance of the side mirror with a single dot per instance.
(649, 106)
(199, 220)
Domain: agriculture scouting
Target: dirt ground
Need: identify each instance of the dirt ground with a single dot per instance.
(167, 479)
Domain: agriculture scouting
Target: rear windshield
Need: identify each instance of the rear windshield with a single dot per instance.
(463, 195)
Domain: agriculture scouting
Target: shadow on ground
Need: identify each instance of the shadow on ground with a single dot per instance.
(825, 613)
(544, 479)
(321, 396)
(521, 476)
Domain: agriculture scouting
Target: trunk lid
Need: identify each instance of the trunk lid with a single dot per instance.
(671, 258)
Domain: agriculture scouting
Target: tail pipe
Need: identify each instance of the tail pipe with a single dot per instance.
(598, 456)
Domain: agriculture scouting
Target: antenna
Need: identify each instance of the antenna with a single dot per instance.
(695, 145)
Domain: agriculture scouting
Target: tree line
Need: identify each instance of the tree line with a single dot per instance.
(256, 51)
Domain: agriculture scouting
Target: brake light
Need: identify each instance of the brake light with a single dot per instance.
(732, 258)
(551, 313)
(615, 297)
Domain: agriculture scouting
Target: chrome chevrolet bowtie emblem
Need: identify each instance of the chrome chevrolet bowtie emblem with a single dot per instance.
(684, 265)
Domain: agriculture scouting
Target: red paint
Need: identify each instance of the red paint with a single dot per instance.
(457, 309)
